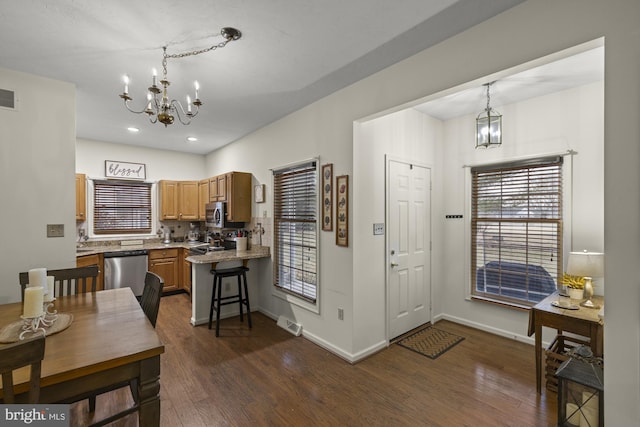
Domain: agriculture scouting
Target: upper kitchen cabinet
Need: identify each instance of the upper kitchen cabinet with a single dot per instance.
(81, 197)
(203, 198)
(179, 200)
(218, 188)
(238, 196)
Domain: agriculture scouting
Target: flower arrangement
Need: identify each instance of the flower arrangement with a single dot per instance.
(574, 282)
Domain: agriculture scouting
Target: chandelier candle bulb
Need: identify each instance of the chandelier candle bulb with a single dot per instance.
(188, 104)
(38, 277)
(154, 81)
(33, 301)
(196, 86)
(126, 84)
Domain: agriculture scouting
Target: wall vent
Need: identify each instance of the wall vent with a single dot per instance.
(288, 325)
(7, 99)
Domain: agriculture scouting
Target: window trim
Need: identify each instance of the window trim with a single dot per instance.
(291, 297)
(564, 222)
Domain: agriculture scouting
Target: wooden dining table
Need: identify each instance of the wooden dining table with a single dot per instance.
(110, 341)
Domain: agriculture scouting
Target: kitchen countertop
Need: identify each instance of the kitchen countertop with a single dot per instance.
(230, 255)
(99, 249)
(210, 257)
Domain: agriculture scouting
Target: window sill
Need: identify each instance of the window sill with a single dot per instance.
(502, 303)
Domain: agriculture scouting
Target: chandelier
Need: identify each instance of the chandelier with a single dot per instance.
(159, 108)
(488, 126)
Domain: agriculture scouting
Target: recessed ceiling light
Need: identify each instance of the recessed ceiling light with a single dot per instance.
(132, 129)
(192, 139)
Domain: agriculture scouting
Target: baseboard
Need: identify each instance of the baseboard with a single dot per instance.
(496, 331)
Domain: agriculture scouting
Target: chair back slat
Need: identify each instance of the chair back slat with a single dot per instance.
(150, 300)
(69, 280)
(15, 356)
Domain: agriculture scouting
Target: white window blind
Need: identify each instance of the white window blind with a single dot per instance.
(517, 230)
(121, 207)
(295, 206)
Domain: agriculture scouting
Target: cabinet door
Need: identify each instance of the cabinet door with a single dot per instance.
(203, 198)
(222, 188)
(188, 200)
(239, 197)
(87, 260)
(167, 268)
(186, 271)
(168, 200)
(81, 197)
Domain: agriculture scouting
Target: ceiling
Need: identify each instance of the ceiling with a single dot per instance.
(292, 52)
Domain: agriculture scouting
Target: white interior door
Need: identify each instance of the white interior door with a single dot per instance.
(408, 246)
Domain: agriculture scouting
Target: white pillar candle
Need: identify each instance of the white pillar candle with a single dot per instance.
(589, 416)
(48, 295)
(573, 420)
(33, 300)
(38, 277)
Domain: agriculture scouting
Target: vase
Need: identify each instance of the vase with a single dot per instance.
(577, 294)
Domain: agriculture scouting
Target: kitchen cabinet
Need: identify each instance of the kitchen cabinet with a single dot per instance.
(87, 260)
(81, 197)
(165, 263)
(218, 188)
(186, 270)
(179, 200)
(238, 196)
(203, 198)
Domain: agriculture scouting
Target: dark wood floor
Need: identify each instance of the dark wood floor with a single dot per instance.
(268, 377)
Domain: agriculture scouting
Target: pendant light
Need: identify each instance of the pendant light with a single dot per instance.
(488, 125)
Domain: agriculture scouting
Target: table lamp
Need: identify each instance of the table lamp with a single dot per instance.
(587, 265)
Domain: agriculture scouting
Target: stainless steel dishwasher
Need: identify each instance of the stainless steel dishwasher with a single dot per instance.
(126, 269)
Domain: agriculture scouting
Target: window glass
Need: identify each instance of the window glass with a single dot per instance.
(121, 207)
(516, 246)
(296, 230)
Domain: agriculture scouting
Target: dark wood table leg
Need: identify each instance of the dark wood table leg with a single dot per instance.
(538, 337)
(149, 392)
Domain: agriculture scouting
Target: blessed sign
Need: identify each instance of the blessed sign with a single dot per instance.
(124, 170)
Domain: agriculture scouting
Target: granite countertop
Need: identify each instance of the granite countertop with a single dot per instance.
(230, 255)
(92, 249)
(214, 256)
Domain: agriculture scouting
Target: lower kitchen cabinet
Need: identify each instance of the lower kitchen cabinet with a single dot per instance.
(186, 271)
(165, 263)
(87, 260)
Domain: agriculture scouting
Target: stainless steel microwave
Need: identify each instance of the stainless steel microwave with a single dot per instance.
(216, 216)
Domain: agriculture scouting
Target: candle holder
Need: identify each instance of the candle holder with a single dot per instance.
(31, 325)
(49, 317)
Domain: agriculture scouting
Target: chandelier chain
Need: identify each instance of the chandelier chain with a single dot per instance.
(195, 52)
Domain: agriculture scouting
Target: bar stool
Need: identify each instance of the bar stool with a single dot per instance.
(217, 300)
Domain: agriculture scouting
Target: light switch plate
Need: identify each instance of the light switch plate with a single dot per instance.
(55, 230)
(378, 229)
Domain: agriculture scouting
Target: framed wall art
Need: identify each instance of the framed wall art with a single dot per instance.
(258, 193)
(342, 210)
(327, 197)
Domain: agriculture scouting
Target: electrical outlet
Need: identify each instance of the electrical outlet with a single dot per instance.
(55, 230)
(340, 314)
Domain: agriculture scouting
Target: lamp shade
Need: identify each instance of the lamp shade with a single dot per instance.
(586, 264)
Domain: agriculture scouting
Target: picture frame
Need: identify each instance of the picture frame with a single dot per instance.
(258, 193)
(327, 197)
(342, 210)
(125, 170)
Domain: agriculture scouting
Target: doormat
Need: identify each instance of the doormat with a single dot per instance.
(430, 342)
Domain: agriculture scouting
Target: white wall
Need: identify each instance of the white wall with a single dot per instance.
(526, 32)
(37, 162)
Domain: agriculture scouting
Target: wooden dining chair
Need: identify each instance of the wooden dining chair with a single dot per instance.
(69, 280)
(150, 303)
(15, 356)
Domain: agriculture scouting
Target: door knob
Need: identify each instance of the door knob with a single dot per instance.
(394, 265)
